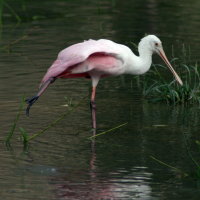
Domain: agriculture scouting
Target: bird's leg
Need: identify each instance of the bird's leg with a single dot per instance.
(32, 100)
(93, 113)
(93, 108)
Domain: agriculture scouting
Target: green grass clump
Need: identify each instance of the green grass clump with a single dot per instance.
(156, 88)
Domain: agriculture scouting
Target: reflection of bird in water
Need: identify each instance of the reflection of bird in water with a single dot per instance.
(96, 184)
(95, 59)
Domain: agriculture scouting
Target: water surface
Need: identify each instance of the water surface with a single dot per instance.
(63, 163)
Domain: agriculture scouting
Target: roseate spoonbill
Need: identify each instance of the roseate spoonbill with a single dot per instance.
(95, 59)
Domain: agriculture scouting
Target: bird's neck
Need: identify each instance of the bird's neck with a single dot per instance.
(140, 64)
(145, 52)
(145, 56)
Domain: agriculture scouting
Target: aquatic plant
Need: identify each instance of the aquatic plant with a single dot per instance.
(157, 89)
(26, 137)
(108, 131)
(13, 127)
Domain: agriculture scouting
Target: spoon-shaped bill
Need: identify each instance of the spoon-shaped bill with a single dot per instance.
(161, 53)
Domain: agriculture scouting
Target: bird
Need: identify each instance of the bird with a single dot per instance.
(96, 59)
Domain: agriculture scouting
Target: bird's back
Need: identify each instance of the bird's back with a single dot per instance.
(79, 52)
(88, 47)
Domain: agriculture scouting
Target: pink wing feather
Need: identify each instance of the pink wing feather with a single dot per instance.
(78, 53)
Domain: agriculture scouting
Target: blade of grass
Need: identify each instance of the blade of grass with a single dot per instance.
(104, 132)
(169, 166)
(24, 135)
(12, 130)
(8, 46)
(13, 12)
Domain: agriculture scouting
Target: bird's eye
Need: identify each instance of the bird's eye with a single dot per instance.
(156, 44)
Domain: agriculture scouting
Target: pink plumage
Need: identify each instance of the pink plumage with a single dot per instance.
(73, 60)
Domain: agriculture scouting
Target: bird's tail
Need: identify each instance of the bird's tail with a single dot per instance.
(42, 88)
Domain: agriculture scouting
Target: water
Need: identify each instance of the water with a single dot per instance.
(63, 163)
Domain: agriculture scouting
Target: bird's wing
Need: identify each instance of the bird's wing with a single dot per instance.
(78, 53)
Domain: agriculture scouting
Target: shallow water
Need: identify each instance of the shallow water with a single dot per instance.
(63, 163)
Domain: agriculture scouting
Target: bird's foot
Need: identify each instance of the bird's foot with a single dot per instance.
(30, 102)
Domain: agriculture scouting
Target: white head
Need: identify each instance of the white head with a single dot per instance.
(151, 44)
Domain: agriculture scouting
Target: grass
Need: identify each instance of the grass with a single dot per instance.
(13, 127)
(7, 8)
(12, 11)
(178, 171)
(110, 130)
(26, 137)
(158, 89)
(54, 122)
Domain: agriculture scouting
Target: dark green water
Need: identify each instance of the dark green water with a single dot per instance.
(63, 163)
